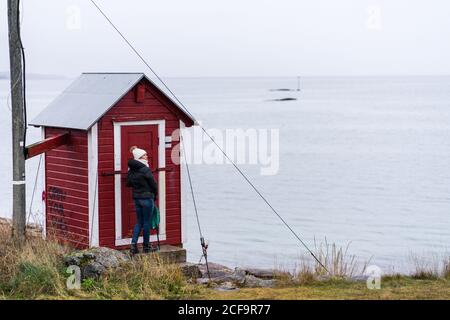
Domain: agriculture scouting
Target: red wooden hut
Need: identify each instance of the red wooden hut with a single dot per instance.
(88, 131)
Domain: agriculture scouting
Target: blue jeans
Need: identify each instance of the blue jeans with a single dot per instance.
(144, 210)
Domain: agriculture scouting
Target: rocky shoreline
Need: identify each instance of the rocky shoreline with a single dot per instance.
(94, 262)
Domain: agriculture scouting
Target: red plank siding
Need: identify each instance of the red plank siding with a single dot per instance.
(66, 185)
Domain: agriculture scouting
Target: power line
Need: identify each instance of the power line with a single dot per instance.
(207, 134)
(202, 239)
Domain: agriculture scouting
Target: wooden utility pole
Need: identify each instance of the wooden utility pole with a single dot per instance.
(18, 125)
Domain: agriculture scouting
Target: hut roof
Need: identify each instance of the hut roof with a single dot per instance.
(90, 96)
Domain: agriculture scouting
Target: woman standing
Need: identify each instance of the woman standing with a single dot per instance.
(145, 190)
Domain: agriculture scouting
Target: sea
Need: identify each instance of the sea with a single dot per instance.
(362, 163)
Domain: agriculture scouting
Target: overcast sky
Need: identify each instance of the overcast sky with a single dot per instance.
(236, 37)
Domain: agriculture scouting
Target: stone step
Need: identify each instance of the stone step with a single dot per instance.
(169, 254)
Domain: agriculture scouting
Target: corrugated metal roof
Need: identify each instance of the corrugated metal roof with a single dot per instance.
(87, 99)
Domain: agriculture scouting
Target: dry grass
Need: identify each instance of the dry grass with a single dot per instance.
(431, 267)
(337, 260)
(36, 270)
(30, 269)
(146, 278)
(304, 273)
(446, 268)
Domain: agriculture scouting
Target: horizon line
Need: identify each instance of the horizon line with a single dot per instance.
(6, 75)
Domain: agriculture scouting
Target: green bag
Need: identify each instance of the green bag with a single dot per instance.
(155, 218)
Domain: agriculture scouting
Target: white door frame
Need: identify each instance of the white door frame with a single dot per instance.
(161, 179)
(44, 186)
(183, 201)
(94, 239)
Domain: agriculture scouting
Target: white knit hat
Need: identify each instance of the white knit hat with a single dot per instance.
(138, 153)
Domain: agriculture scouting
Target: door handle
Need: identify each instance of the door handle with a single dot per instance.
(164, 169)
(112, 173)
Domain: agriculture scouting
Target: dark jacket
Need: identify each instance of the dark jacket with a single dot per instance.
(140, 178)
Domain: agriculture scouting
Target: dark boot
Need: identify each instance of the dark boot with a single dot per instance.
(148, 248)
(134, 249)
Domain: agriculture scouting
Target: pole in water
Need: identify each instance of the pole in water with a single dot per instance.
(298, 83)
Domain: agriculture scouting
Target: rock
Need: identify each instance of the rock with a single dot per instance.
(191, 270)
(203, 281)
(215, 270)
(254, 282)
(93, 270)
(221, 274)
(94, 262)
(224, 278)
(261, 273)
(237, 276)
(267, 274)
(284, 99)
(227, 286)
